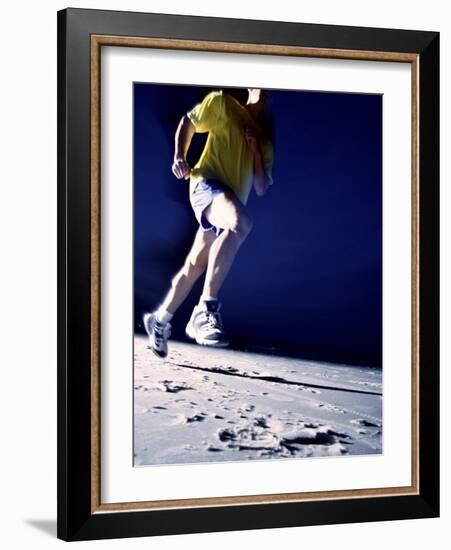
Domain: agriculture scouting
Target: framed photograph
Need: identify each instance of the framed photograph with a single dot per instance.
(248, 274)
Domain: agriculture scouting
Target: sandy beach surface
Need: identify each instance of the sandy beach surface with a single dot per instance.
(208, 405)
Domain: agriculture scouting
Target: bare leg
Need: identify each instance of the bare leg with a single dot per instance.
(192, 269)
(227, 212)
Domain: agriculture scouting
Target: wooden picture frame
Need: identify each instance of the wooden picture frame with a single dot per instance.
(81, 35)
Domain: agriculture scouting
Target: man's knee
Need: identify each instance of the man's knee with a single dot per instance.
(242, 225)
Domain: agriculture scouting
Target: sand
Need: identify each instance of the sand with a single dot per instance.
(209, 405)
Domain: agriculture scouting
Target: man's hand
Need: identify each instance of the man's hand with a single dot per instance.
(180, 168)
(252, 140)
(183, 136)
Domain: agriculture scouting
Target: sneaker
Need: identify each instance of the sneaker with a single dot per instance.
(205, 325)
(158, 334)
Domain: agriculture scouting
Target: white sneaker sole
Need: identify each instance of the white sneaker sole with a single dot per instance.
(190, 332)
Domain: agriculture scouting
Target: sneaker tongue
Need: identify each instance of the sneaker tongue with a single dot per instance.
(212, 305)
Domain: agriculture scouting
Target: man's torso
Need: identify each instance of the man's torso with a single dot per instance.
(226, 155)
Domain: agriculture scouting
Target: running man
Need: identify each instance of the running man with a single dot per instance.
(237, 156)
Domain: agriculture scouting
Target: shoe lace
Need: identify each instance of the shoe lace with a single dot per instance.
(213, 319)
(162, 332)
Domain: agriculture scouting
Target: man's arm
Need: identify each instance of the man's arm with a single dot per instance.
(261, 179)
(183, 136)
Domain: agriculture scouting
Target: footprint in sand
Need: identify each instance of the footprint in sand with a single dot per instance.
(366, 423)
(313, 434)
(226, 435)
(332, 408)
(196, 418)
(173, 387)
(261, 422)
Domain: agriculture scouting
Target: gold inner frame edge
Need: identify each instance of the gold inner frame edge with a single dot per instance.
(97, 41)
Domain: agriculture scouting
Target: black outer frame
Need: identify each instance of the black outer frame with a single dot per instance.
(75, 520)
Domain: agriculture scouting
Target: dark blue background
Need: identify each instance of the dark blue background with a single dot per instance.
(308, 281)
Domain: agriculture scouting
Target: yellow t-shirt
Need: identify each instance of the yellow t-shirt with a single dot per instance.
(226, 155)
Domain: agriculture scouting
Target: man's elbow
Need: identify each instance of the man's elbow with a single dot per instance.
(186, 125)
